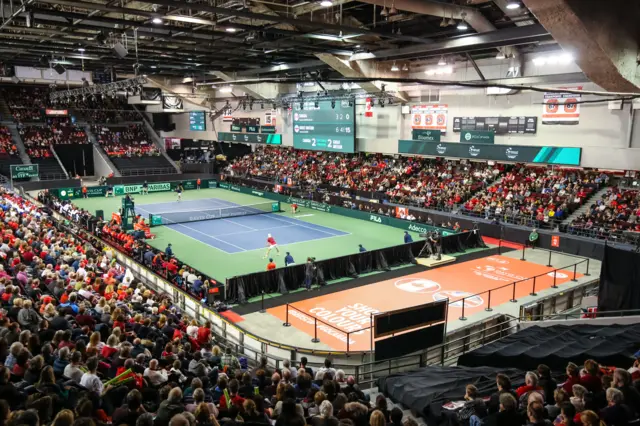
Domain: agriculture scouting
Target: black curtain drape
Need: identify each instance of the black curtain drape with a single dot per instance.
(619, 280)
(239, 289)
(76, 158)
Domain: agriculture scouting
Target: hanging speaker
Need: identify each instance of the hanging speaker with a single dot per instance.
(119, 50)
(59, 68)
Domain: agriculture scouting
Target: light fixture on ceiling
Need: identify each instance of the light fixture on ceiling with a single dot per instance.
(226, 89)
(462, 25)
(154, 67)
(384, 12)
(80, 49)
(394, 67)
(443, 23)
(513, 5)
(405, 67)
(326, 3)
(442, 62)
(500, 55)
(231, 30)
(392, 9)
(451, 22)
(157, 20)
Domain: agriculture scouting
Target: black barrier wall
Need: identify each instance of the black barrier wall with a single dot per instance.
(283, 280)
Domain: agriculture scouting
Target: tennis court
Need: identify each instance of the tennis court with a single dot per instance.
(230, 246)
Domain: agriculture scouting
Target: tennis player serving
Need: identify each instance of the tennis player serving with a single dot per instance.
(271, 244)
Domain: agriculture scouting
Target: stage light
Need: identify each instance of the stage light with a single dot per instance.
(231, 30)
(157, 20)
(326, 3)
(513, 5)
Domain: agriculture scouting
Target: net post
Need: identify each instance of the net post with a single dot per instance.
(489, 308)
(286, 321)
(462, 317)
(315, 331)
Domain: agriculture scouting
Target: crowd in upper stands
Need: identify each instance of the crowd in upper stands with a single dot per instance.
(129, 141)
(38, 139)
(7, 147)
(27, 104)
(590, 395)
(617, 211)
(423, 182)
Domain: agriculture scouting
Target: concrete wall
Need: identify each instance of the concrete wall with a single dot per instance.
(100, 166)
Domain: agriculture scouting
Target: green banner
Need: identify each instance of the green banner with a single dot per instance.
(155, 220)
(136, 189)
(236, 128)
(268, 129)
(253, 129)
(272, 139)
(189, 184)
(65, 193)
(23, 171)
(210, 184)
(477, 136)
(426, 135)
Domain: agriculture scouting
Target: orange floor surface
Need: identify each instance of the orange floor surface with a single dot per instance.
(350, 310)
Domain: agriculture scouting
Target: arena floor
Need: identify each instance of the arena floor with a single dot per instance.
(454, 281)
(225, 248)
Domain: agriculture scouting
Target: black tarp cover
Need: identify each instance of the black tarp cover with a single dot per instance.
(619, 278)
(427, 389)
(611, 345)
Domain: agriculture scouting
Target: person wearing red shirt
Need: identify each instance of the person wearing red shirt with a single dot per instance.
(236, 399)
(204, 333)
(530, 384)
(591, 380)
(271, 265)
(573, 378)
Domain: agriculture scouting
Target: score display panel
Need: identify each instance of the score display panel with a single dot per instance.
(324, 127)
(197, 121)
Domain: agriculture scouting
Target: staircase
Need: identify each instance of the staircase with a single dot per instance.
(585, 206)
(55, 155)
(5, 112)
(15, 135)
(98, 149)
(157, 140)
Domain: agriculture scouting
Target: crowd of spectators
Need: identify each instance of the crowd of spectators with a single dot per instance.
(417, 181)
(129, 141)
(83, 343)
(38, 139)
(7, 147)
(527, 195)
(589, 396)
(617, 211)
(27, 103)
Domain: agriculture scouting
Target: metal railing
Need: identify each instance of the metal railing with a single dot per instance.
(443, 354)
(148, 171)
(582, 315)
(514, 284)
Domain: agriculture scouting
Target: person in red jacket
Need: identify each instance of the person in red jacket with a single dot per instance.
(204, 333)
(591, 380)
(573, 378)
(530, 384)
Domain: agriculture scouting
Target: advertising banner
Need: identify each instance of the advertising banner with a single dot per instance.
(426, 135)
(477, 136)
(498, 125)
(269, 121)
(269, 139)
(23, 171)
(136, 189)
(561, 108)
(519, 153)
(429, 117)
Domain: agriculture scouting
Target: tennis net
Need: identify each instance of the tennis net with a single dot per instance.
(171, 218)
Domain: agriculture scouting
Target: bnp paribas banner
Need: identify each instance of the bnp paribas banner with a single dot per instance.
(136, 189)
(521, 153)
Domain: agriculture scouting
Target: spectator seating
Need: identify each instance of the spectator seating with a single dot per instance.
(8, 152)
(614, 214)
(535, 196)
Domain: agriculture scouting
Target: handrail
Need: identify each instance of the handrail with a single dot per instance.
(578, 315)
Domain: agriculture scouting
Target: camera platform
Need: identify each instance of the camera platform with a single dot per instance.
(432, 263)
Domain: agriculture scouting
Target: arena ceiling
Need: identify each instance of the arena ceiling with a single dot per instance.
(260, 37)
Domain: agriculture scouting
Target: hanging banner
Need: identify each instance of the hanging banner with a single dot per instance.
(368, 109)
(561, 108)
(269, 120)
(429, 117)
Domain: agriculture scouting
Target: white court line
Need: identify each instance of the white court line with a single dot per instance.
(260, 229)
(239, 224)
(303, 226)
(209, 236)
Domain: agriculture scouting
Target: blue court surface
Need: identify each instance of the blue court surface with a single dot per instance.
(239, 234)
